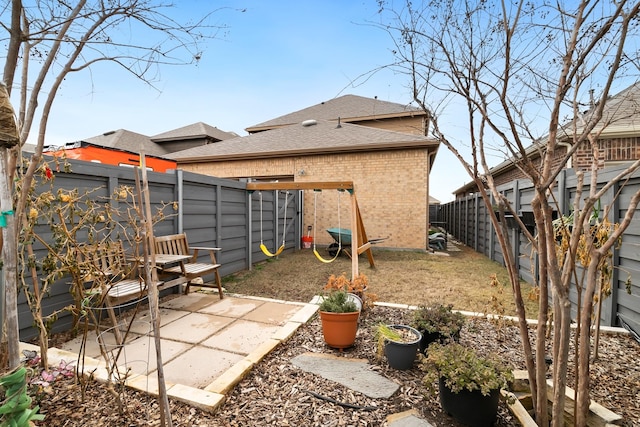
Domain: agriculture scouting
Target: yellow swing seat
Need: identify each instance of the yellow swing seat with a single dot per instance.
(269, 254)
(263, 247)
(326, 261)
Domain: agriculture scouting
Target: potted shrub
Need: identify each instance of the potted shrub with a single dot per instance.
(437, 323)
(357, 286)
(339, 313)
(399, 343)
(469, 384)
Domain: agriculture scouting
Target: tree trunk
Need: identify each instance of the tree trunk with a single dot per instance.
(561, 359)
(582, 399)
(542, 217)
(10, 265)
(514, 278)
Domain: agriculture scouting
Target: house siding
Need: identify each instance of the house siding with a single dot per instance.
(410, 125)
(390, 186)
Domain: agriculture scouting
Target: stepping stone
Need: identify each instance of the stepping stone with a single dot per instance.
(352, 373)
(409, 418)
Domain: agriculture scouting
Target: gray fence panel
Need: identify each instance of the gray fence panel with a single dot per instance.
(234, 224)
(481, 236)
(212, 212)
(628, 261)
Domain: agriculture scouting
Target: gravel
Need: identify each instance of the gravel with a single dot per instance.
(276, 393)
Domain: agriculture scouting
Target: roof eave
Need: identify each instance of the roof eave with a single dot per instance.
(310, 152)
(182, 138)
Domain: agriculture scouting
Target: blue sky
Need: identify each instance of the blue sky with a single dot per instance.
(275, 58)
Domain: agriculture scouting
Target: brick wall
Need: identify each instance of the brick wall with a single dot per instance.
(390, 186)
(609, 150)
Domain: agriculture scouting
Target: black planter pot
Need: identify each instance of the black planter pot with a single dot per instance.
(428, 338)
(431, 337)
(401, 355)
(470, 407)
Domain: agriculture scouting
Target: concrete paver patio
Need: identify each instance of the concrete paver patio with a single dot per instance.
(208, 344)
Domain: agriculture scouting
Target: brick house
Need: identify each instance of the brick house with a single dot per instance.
(619, 142)
(378, 145)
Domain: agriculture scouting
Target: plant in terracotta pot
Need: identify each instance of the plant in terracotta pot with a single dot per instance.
(399, 343)
(339, 313)
(437, 323)
(359, 286)
(469, 384)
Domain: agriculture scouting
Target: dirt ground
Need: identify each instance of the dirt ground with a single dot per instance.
(276, 393)
(461, 278)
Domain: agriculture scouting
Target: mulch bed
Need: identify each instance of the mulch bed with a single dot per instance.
(277, 393)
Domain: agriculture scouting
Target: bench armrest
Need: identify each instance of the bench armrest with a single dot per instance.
(202, 248)
(212, 253)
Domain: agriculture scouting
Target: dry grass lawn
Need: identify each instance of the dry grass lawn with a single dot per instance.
(463, 279)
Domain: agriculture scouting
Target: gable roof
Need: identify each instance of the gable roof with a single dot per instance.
(197, 130)
(307, 138)
(128, 141)
(349, 108)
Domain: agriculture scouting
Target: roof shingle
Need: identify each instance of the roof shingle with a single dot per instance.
(347, 108)
(126, 140)
(197, 130)
(321, 137)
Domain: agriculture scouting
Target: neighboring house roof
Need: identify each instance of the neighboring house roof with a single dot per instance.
(620, 119)
(310, 137)
(433, 201)
(197, 130)
(348, 108)
(29, 148)
(125, 140)
(621, 114)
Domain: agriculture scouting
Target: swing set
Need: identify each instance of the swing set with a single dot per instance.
(263, 247)
(359, 241)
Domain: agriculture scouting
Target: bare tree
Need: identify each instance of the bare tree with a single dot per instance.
(47, 42)
(525, 72)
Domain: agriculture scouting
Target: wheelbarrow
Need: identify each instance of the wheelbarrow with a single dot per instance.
(342, 237)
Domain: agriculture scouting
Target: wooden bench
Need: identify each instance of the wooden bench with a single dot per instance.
(176, 244)
(103, 268)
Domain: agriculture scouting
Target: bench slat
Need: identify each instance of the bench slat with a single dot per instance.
(176, 244)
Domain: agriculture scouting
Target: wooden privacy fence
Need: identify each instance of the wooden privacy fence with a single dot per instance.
(467, 219)
(211, 211)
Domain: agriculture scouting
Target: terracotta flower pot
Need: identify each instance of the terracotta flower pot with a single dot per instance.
(339, 329)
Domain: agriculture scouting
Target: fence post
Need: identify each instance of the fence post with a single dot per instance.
(219, 214)
(179, 197)
(515, 238)
(608, 312)
(249, 225)
(492, 235)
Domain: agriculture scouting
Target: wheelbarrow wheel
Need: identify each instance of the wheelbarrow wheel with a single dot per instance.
(333, 249)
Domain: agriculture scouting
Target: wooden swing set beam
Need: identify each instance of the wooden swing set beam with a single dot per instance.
(359, 241)
(331, 185)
